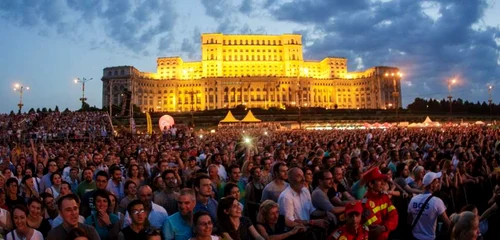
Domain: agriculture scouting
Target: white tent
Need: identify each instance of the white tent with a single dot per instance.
(427, 120)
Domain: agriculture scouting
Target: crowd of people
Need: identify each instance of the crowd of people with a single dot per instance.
(255, 183)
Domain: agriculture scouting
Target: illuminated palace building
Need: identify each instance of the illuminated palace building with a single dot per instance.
(258, 71)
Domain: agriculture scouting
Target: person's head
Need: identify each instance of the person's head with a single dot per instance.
(48, 201)
(28, 172)
(158, 183)
(115, 173)
(3, 197)
(231, 190)
(268, 212)
(255, 174)
(19, 170)
(101, 198)
(87, 174)
(432, 181)
(35, 206)
(374, 179)
(73, 172)
(12, 185)
(228, 208)
(77, 234)
(152, 233)
(133, 171)
(470, 208)
(280, 171)
(466, 226)
(52, 166)
(163, 165)
(55, 179)
(325, 179)
(418, 172)
(186, 201)
(137, 212)
(69, 209)
(169, 179)
(202, 224)
(203, 185)
(338, 173)
(234, 173)
(296, 178)
(146, 196)
(130, 188)
(308, 175)
(19, 213)
(402, 170)
(213, 171)
(97, 158)
(101, 180)
(28, 181)
(113, 203)
(65, 188)
(353, 212)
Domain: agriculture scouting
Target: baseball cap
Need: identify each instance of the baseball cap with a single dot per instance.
(354, 206)
(374, 174)
(429, 177)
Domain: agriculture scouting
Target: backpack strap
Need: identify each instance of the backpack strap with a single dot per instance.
(420, 212)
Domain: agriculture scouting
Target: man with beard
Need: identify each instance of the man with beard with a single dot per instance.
(338, 194)
(273, 190)
(253, 192)
(402, 172)
(179, 225)
(115, 184)
(204, 200)
(217, 160)
(87, 207)
(320, 199)
(155, 213)
(88, 183)
(168, 197)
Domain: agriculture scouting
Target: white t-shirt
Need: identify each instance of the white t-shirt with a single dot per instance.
(426, 225)
(36, 236)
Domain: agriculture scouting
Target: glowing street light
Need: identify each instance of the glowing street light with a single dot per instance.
(82, 81)
(450, 83)
(20, 88)
(490, 87)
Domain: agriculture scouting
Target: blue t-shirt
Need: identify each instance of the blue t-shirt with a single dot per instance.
(358, 191)
(175, 227)
(103, 231)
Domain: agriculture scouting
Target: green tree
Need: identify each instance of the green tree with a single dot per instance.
(56, 109)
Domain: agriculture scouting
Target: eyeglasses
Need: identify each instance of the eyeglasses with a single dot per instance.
(206, 224)
(137, 212)
(152, 231)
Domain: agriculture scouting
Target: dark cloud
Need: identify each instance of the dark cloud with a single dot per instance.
(216, 8)
(129, 23)
(398, 33)
(246, 6)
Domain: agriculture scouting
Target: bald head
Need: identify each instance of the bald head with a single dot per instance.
(146, 196)
(296, 178)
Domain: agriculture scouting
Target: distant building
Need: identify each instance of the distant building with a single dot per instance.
(258, 71)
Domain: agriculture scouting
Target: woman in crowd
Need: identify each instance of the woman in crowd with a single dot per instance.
(466, 226)
(55, 190)
(113, 208)
(271, 225)
(35, 217)
(19, 173)
(21, 229)
(416, 180)
(7, 173)
(130, 188)
(36, 180)
(203, 226)
(143, 173)
(253, 193)
(308, 179)
(5, 218)
(105, 223)
(40, 170)
(232, 225)
(2, 181)
(245, 171)
(133, 175)
(28, 189)
(232, 190)
(158, 185)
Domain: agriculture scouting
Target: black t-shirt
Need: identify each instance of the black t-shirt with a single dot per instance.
(279, 228)
(129, 234)
(11, 203)
(242, 232)
(336, 193)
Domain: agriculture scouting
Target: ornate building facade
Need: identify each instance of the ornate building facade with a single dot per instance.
(258, 71)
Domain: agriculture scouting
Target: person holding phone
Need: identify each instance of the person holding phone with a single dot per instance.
(105, 223)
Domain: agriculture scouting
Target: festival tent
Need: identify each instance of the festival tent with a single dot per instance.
(480, 123)
(250, 118)
(229, 118)
(427, 120)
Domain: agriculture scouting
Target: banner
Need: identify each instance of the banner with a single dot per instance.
(149, 128)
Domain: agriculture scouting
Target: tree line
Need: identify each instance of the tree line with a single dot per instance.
(457, 106)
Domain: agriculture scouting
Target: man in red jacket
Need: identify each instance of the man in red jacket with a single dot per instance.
(353, 230)
(379, 215)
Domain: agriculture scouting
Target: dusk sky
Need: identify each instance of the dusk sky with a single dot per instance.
(45, 44)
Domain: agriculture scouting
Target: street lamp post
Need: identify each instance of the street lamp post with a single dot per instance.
(450, 83)
(19, 88)
(83, 81)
